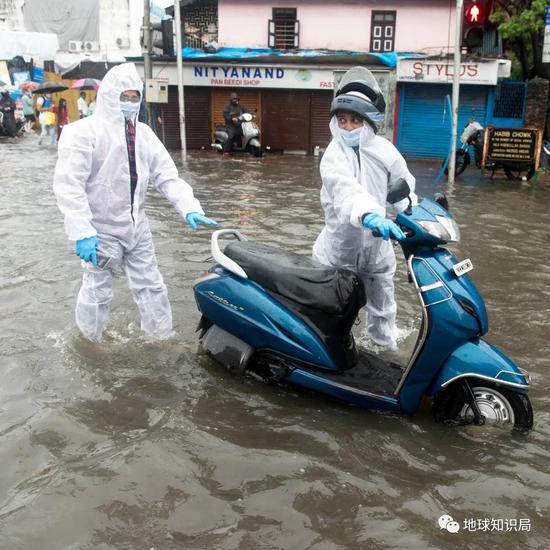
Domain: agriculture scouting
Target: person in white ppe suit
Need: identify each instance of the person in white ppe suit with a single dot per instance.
(105, 163)
(357, 169)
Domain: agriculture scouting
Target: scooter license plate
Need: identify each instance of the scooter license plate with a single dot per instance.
(463, 267)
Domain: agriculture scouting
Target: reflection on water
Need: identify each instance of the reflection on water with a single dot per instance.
(136, 444)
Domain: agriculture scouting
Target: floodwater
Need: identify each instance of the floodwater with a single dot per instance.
(133, 444)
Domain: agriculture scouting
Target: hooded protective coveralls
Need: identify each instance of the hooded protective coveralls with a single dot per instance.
(92, 187)
(352, 188)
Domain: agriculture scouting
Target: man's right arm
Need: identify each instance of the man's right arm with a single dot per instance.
(69, 183)
(227, 115)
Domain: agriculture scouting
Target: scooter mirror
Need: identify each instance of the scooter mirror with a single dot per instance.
(398, 191)
(442, 200)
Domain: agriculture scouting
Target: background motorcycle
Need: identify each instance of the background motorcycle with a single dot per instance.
(248, 142)
(474, 135)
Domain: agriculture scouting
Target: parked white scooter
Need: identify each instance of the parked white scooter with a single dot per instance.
(249, 141)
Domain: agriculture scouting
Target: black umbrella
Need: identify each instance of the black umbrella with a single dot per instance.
(49, 88)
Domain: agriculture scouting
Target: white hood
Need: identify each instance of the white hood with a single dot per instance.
(117, 80)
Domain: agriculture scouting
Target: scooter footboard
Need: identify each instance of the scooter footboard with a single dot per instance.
(479, 359)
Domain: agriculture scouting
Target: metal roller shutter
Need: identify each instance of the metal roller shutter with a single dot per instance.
(286, 119)
(424, 127)
(249, 98)
(197, 118)
(320, 118)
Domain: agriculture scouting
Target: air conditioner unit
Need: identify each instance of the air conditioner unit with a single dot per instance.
(91, 46)
(123, 42)
(75, 45)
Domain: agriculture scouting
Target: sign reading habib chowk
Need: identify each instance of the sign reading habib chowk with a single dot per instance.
(511, 145)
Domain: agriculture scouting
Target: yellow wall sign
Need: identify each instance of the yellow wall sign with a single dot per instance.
(512, 145)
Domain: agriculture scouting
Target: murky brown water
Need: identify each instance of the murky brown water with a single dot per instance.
(131, 445)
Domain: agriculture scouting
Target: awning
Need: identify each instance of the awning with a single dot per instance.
(268, 54)
(35, 45)
(67, 62)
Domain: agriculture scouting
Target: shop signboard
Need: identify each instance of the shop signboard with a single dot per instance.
(511, 146)
(432, 71)
(258, 76)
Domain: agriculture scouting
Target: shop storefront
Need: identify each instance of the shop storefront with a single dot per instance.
(423, 123)
(291, 104)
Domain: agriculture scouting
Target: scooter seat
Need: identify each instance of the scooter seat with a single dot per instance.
(299, 279)
(327, 299)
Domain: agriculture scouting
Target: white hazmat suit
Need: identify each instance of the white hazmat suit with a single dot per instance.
(350, 190)
(92, 187)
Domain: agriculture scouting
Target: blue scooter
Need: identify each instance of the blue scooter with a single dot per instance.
(283, 318)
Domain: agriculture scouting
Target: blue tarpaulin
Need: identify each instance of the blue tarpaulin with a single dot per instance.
(389, 59)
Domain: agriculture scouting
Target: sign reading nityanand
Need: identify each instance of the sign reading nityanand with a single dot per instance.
(424, 70)
(255, 76)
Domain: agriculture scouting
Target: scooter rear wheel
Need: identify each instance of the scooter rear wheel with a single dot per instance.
(500, 407)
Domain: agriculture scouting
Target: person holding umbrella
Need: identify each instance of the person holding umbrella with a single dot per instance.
(84, 108)
(82, 105)
(44, 106)
(28, 110)
(46, 118)
(62, 116)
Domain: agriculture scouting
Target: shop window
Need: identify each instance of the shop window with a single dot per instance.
(382, 31)
(200, 23)
(509, 99)
(284, 29)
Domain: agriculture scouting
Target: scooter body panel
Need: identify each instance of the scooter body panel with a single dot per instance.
(316, 382)
(246, 310)
(448, 323)
(479, 359)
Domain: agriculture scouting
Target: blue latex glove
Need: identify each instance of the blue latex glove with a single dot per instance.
(193, 218)
(385, 227)
(86, 249)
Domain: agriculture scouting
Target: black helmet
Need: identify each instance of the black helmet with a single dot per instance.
(359, 93)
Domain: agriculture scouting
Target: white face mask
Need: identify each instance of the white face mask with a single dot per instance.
(129, 109)
(351, 137)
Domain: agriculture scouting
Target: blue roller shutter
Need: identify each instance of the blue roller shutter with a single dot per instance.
(424, 128)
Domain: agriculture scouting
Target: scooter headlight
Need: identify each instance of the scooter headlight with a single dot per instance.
(444, 228)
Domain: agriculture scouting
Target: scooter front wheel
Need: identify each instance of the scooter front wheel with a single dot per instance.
(498, 406)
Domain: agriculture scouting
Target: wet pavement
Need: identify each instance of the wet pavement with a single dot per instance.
(135, 444)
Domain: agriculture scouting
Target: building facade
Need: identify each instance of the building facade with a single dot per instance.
(284, 59)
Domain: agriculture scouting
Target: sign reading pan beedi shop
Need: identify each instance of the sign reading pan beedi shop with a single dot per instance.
(511, 145)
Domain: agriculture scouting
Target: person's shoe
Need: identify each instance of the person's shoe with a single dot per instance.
(227, 155)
